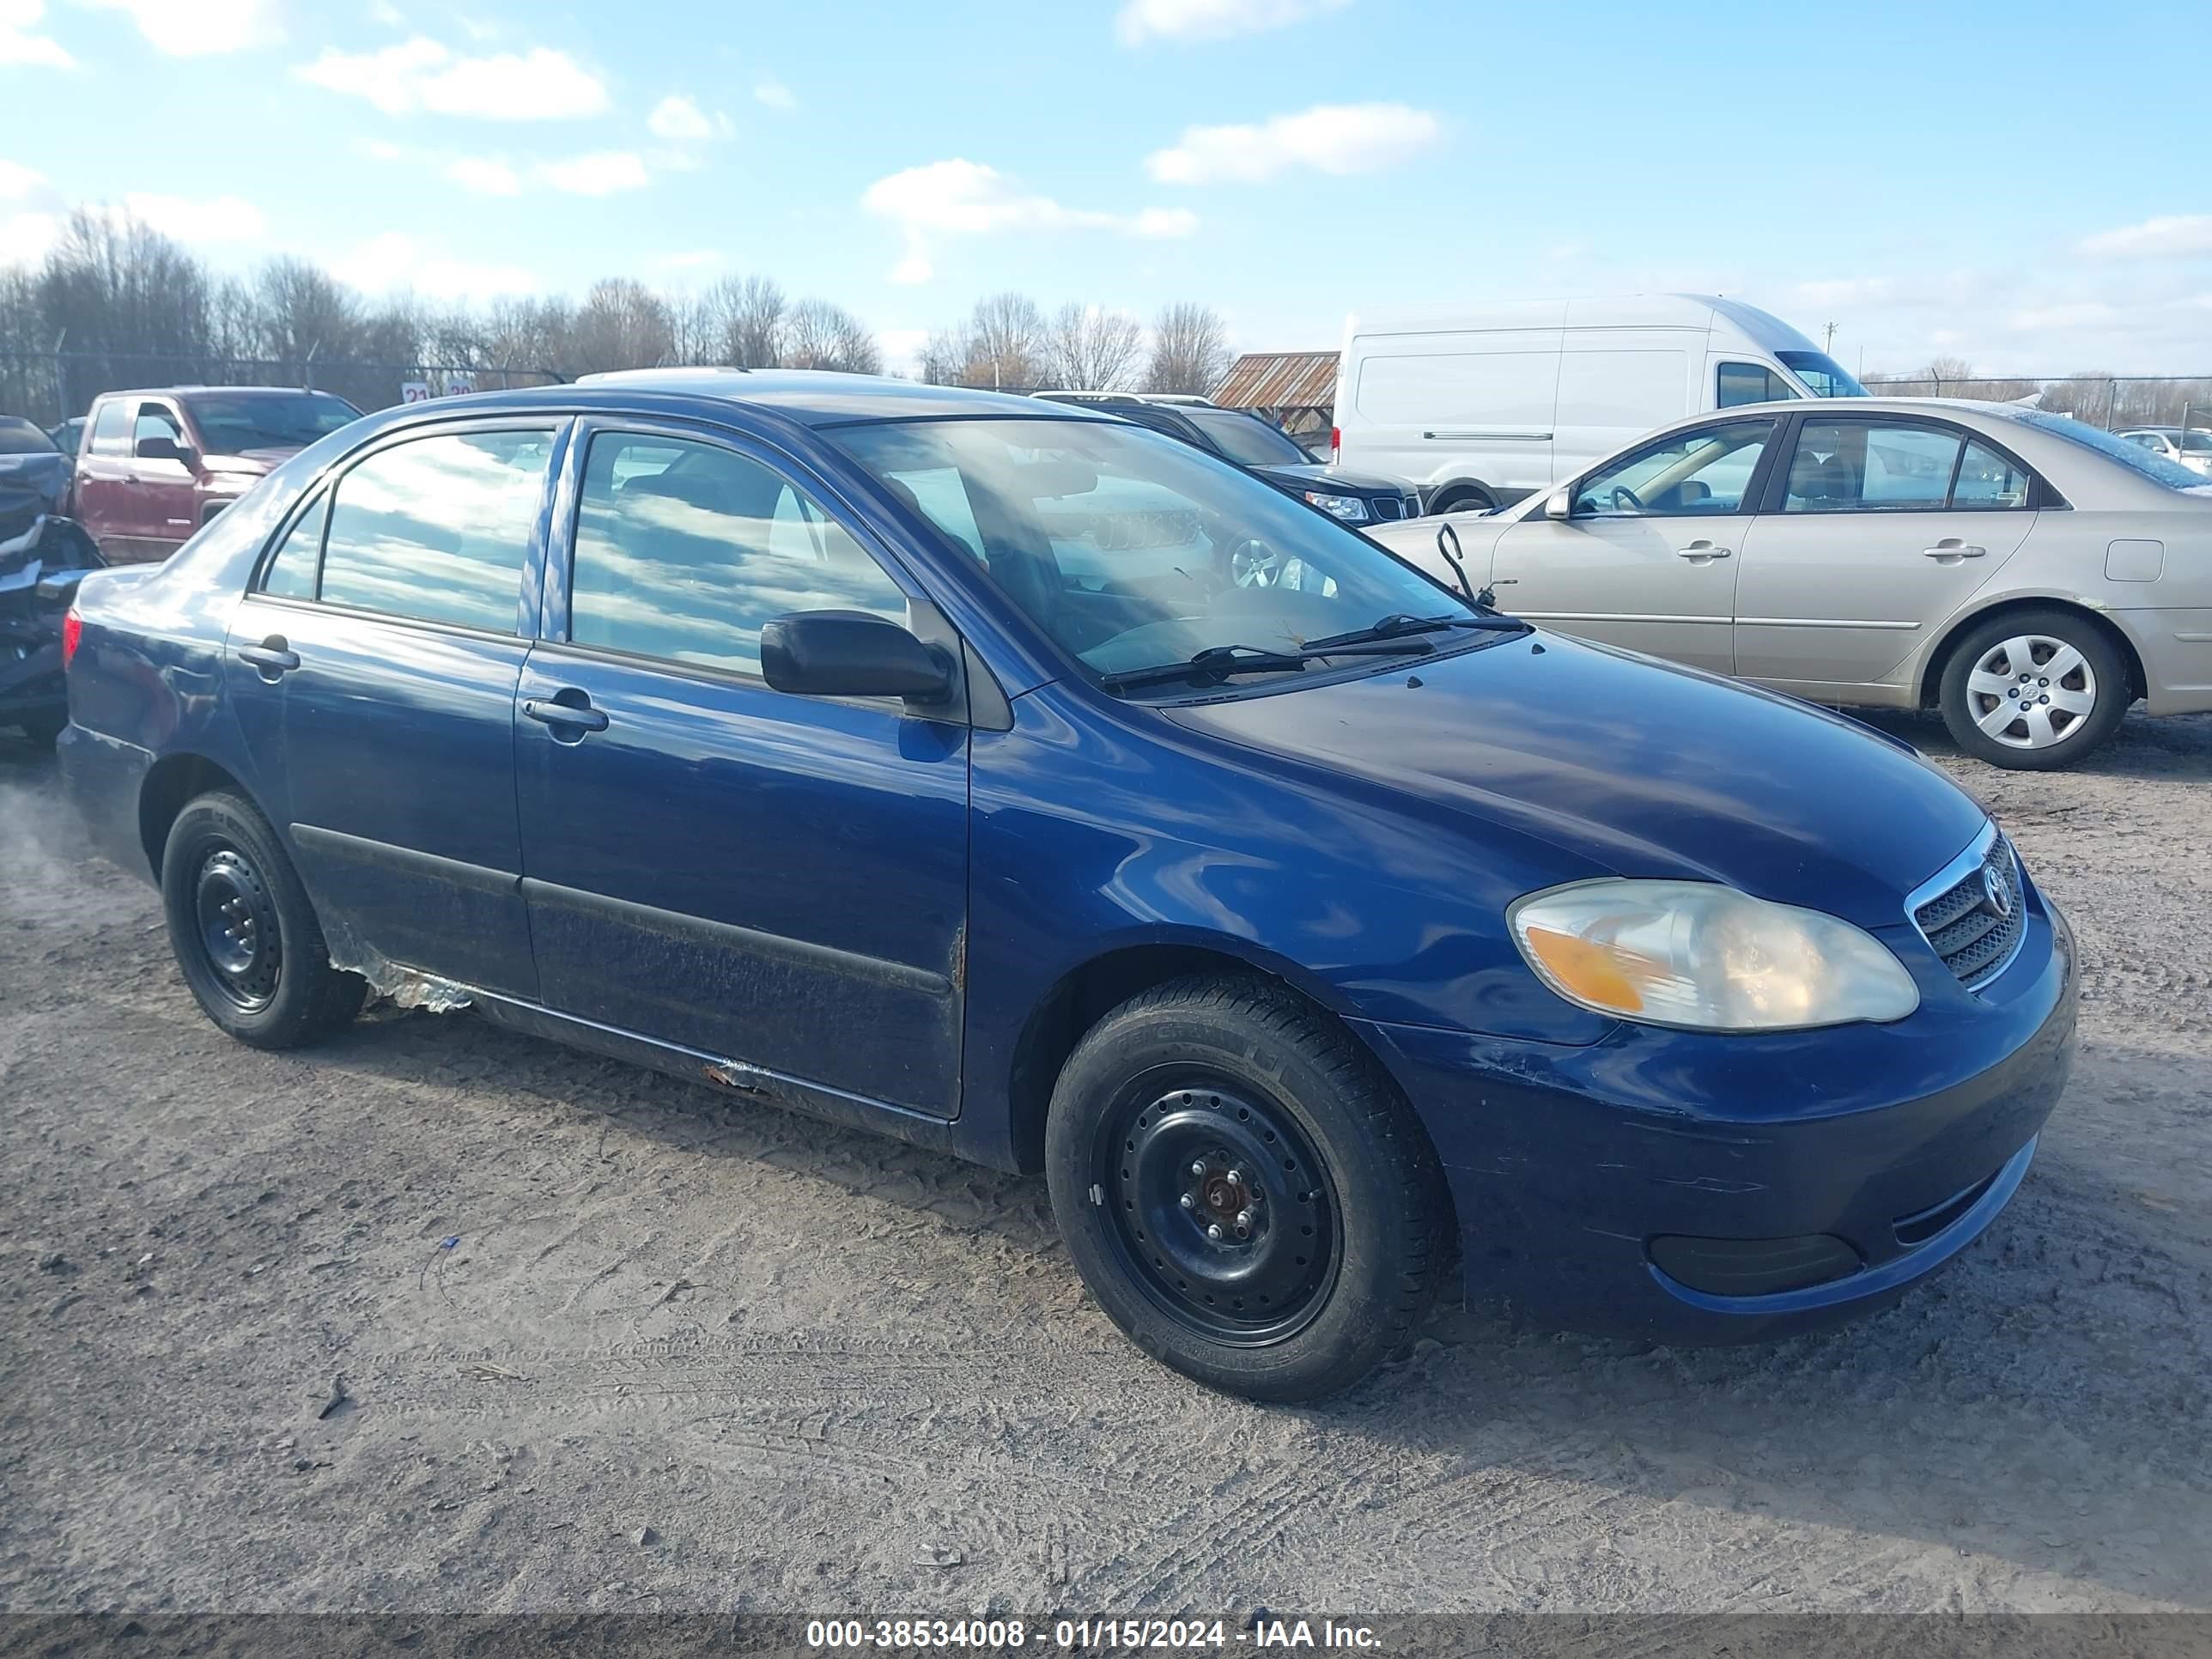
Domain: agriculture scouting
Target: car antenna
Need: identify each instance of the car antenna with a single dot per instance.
(1448, 544)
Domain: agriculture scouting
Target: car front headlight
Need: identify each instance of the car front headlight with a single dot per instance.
(1350, 509)
(1697, 955)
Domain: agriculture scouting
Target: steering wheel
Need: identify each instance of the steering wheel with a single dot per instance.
(1253, 563)
(1623, 497)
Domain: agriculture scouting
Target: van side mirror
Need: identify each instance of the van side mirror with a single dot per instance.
(162, 449)
(851, 653)
(1559, 505)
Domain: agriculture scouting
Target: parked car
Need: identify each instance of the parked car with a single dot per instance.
(2028, 574)
(69, 435)
(157, 464)
(798, 734)
(1481, 406)
(1246, 440)
(41, 557)
(2188, 447)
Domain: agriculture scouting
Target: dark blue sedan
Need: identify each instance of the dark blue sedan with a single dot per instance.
(1031, 786)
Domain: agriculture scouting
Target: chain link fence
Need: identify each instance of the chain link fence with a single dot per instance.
(2114, 402)
(50, 387)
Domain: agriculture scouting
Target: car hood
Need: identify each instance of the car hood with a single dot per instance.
(1627, 766)
(1314, 475)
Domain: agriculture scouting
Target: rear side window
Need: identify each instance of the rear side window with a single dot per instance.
(1751, 383)
(1844, 466)
(111, 428)
(683, 550)
(437, 529)
(1987, 479)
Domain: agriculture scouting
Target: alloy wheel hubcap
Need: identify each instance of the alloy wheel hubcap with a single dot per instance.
(237, 928)
(2031, 692)
(1222, 1210)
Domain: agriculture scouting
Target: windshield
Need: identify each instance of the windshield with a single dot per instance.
(1246, 439)
(1823, 375)
(283, 420)
(2194, 442)
(19, 437)
(2147, 463)
(1132, 550)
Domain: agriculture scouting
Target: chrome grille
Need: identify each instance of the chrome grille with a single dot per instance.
(1976, 922)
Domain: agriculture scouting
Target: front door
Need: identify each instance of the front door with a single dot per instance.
(161, 505)
(1647, 557)
(1882, 527)
(373, 671)
(776, 880)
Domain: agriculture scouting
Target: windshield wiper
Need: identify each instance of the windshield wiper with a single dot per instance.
(1216, 662)
(1399, 626)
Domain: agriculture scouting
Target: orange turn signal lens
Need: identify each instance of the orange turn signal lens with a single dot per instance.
(1588, 971)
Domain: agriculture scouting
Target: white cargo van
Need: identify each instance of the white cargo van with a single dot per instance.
(1483, 406)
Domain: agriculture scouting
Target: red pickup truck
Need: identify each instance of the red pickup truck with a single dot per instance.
(154, 465)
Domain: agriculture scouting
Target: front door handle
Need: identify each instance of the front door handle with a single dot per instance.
(1951, 550)
(272, 658)
(569, 709)
(1700, 552)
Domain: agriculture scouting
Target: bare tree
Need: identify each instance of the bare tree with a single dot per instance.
(1005, 343)
(945, 355)
(751, 312)
(1090, 349)
(621, 324)
(820, 334)
(1190, 350)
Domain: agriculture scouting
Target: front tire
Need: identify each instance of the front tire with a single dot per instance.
(1244, 1190)
(2034, 690)
(243, 933)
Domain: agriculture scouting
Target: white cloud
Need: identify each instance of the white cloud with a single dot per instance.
(383, 12)
(218, 219)
(423, 74)
(20, 41)
(2059, 317)
(696, 258)
(1333, 138)
(2175, 236)
(16, 180)
(24, 237)
(486, 175)
(601, 174)
(680, 121)
(1212, 20)
(776, 95)
(963, 197)
(396, 259)
(198, 28)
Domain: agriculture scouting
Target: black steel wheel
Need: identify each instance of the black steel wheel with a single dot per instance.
(1243, 1189)
(245, 935)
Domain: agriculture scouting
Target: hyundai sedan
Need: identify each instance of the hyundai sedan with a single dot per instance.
(1025, 784)
(2029, 575)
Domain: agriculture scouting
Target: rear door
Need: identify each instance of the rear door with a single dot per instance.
(776, 880)
(373, 672)
(103, 480)
(1647, 558)
(1878, 528)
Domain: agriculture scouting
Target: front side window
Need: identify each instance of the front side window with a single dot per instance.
(1129, 550)
(1844, 466)
(293, 567)
(156, 422)
(684, 550)
(438, 528)
(1750, 383)
(1702, 473)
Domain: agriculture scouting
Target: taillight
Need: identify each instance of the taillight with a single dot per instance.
(1335, 445)
(72, 631)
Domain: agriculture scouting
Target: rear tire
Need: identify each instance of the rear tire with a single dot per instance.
(1244, 1190)
(2034, 690)
(243, 933)
(1463, 501)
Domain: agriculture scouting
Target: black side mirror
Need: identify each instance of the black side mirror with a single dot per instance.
(160, 449)
(851, 653)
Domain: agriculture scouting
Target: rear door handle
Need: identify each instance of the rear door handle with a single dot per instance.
(1950, 550)
(1699, 552)
(273, 657)
(580, 714)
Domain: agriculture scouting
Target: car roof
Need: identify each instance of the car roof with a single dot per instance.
(227, 391)
(809, 396)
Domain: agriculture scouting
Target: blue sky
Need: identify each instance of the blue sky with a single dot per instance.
(2014, 182)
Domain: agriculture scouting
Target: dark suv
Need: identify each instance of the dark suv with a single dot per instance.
(1246, 440)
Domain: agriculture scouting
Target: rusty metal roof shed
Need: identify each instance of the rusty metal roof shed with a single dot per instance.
(1279, 379)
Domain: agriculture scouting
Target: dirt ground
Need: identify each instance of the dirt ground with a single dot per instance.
(689, 1355)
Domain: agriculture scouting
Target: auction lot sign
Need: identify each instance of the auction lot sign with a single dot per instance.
(1257, 1630)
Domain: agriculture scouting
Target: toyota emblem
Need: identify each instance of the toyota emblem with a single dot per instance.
(1997, 896)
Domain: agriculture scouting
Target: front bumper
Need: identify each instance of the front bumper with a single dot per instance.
(1903, 1141)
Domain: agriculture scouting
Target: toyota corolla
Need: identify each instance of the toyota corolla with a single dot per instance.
(1038, 789)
